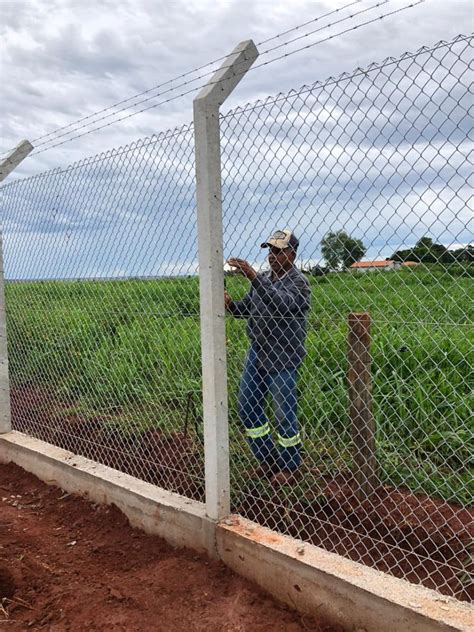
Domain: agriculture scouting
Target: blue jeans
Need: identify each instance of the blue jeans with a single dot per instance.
(255, 384)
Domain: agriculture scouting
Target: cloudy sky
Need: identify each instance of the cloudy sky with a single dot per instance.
(64, 60)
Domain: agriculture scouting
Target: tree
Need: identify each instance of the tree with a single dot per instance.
(340, 250)
(464, 254)
(427, 251)
(424, 242)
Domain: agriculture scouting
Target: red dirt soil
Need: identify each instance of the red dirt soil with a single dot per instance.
(417, 538)
(69, 565)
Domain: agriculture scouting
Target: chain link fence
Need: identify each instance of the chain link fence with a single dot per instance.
(371, 172)
(103, 310)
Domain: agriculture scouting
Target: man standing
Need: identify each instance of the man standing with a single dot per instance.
(276, 309)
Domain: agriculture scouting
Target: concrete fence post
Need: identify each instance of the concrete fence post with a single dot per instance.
(211, 273)
(6, 167)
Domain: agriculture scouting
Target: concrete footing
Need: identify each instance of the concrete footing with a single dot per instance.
(317, 582)
(305, 577)
(180, 521)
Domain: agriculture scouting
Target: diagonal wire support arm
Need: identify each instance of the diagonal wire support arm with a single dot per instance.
(7, 165)
(17, 155)
(211, 273)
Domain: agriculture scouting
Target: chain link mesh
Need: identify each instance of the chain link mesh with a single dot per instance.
(103, 312)
(105, 359)
(371, 166)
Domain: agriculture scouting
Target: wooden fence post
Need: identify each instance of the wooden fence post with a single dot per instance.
(360, 404)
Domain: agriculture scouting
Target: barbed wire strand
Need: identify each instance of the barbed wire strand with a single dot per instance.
(181, 76)
(185, 93)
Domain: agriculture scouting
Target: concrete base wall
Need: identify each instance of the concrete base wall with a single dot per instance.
(305, 577)
(180, 521)
(314, 581)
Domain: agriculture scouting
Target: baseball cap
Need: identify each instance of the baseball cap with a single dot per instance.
(282, 239)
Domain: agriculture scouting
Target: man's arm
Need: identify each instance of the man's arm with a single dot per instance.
(239, 309)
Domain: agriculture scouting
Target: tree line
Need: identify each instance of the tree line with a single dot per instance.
(340, 251)
(426, 251)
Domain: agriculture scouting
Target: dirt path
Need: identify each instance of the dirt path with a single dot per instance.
(69, 565)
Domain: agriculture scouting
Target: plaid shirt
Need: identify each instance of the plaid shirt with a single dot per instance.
(276, 310)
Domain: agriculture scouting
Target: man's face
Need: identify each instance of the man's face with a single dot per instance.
(280, 259)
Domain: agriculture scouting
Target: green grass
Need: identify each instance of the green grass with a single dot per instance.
(129, 353)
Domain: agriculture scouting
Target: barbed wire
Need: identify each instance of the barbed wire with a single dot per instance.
(150, 141)
(299, 26)
(187, 83)
(187, 92)
(167, 82)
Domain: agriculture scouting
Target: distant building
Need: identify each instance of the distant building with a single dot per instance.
(368, 266)
(385, 264)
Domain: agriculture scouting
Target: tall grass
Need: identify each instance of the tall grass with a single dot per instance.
(129, 351)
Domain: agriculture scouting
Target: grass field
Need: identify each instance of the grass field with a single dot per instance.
(128, 352)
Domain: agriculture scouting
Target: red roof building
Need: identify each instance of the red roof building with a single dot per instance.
(364, 266)
(384, 264)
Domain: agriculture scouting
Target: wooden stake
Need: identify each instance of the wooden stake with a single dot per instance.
(360, 404)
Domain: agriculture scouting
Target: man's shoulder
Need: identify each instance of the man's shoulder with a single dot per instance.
(265, 274)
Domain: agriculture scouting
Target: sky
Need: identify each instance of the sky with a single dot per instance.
(332, 158)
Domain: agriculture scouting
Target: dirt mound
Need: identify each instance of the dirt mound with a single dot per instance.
(66, 564)
(417, 538)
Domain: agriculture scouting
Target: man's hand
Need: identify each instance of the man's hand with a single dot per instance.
(243, 267)
(227, 299)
